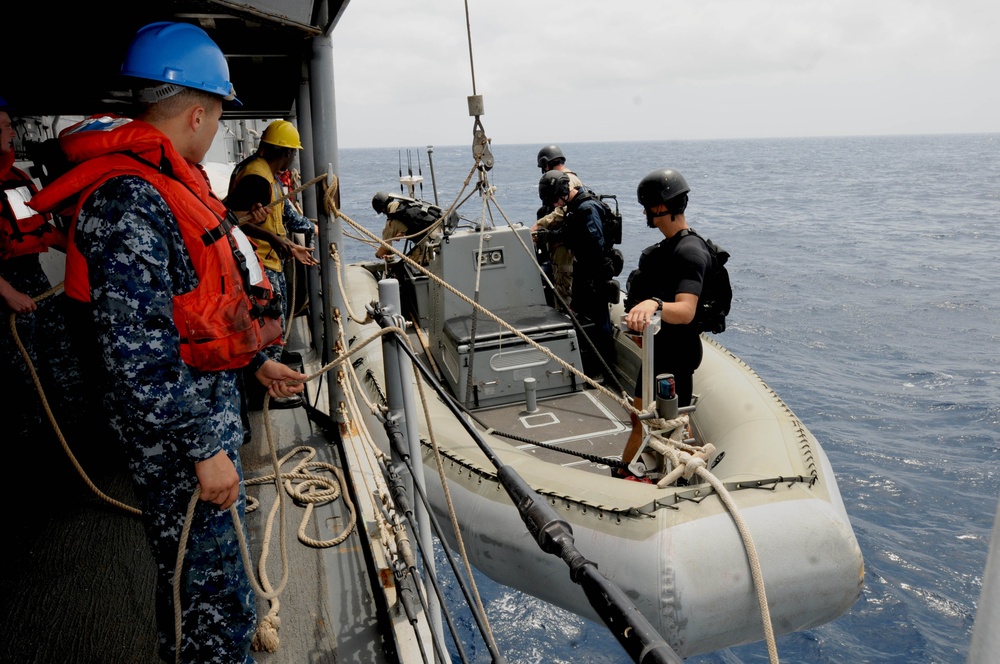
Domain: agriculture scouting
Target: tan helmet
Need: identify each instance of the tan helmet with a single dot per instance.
(283, 134)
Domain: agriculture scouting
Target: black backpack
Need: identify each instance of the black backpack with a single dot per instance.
(416, 215)
(611, 228)
(612, 220)
(717, 291)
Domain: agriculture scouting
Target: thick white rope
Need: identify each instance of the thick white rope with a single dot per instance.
(693, 461)
(266, 636)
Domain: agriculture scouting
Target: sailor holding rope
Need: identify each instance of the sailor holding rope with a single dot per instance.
(168, 278)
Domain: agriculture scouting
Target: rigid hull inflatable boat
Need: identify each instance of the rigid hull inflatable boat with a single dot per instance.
(686, 557)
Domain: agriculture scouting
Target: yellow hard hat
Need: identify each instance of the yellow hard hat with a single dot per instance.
(283, 134)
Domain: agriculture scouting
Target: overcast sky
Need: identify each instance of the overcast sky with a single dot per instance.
(625, 70)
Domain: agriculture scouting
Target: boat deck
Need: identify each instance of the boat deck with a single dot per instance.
(588, 425)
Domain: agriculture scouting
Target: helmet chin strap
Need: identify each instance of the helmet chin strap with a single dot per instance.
(650, 216)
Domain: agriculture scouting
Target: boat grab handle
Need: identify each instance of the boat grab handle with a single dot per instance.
(647, 355)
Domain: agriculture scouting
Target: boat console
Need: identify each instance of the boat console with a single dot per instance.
(464, 340)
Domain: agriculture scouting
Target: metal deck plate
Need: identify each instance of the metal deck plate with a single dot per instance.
(585, 423)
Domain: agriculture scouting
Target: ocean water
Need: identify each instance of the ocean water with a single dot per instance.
(865, 280)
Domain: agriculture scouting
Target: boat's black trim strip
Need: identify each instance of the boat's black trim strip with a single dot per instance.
(702, 492)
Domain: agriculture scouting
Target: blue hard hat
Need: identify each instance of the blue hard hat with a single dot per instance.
(181, 54)
(4, 106)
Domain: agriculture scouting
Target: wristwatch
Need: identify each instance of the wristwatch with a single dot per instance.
(659, 303)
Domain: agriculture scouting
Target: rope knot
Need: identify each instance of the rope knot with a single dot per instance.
(266, 638)
(691, 464)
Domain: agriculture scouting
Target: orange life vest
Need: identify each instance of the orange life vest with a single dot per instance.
(22, 231)
(225, 320)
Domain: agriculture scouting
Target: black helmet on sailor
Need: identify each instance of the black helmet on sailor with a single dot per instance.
(664, 186)
(379, 201)
(550, 156)
(552, 186)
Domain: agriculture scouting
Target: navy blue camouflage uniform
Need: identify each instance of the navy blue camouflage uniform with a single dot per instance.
(45, 338)
(168, 416)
